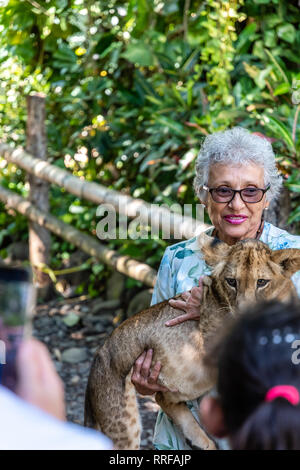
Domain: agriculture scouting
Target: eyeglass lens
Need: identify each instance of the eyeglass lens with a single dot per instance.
(224, 194)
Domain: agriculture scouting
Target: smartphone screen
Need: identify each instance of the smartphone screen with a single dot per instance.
(17, 301)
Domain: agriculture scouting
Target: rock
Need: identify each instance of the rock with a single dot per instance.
(99, 337)
(115, 286)
(99, 328)
(58, 365)
(104, 319)
(84, 368)
(74, 355)
(139, 302)
(64, 309)
(57, 354)
(112, 304)
(71, 319)
(75, 379)
(53, 311)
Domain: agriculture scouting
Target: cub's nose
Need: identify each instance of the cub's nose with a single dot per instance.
(244, 302)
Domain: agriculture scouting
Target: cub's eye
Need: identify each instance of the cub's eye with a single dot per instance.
(231, 281)
(262, 282)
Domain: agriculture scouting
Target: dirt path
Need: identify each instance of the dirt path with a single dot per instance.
(72, 330)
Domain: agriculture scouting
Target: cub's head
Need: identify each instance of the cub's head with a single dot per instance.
(250, 271)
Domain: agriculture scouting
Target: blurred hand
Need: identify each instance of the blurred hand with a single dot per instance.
(190, 305)
(38, 381)
(143, 378)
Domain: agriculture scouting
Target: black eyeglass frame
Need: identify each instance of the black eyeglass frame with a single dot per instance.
(210, 190)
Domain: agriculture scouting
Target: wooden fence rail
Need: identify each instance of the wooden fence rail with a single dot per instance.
(98, 194)
(124, 264)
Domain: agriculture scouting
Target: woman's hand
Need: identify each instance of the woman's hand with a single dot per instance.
(190, 305)
(143, 378)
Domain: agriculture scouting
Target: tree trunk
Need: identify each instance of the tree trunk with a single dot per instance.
(39, 237)
(279, 211)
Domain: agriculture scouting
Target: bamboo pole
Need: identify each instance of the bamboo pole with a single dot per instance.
(99, 194)
(39, 237)
(124, 264)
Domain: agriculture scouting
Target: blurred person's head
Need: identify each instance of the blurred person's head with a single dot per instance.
(258, 386)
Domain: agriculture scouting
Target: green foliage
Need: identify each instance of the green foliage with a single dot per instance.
(134, 86)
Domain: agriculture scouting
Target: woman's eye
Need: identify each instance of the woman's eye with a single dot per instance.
(231, 281)
(223, 190)
(250, 191)
(262, 282)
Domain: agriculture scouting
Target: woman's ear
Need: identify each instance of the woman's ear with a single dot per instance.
(212, 417)
(203, 197)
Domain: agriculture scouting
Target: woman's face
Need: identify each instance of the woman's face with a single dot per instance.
(223, 216)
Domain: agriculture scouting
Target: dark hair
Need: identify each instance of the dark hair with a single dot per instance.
(255, 356)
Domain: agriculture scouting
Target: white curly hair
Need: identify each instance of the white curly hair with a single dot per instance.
(237, 146)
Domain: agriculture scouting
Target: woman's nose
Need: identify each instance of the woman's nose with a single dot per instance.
(237, 202)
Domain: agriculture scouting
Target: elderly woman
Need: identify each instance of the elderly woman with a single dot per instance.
(236, 178)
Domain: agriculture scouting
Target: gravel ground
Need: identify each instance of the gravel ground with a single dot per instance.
(72, 330)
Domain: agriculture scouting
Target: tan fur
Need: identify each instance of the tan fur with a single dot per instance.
(111, 404)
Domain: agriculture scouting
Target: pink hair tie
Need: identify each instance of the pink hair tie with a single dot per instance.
(289, 392)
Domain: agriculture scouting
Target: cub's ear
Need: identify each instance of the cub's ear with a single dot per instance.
(213, 249)
(288, 260)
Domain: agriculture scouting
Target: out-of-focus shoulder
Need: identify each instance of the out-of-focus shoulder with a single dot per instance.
(278, 238)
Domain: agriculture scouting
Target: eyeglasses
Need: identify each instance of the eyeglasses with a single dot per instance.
(223, 194)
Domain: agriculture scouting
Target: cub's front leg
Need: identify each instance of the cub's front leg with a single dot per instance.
(184, 419)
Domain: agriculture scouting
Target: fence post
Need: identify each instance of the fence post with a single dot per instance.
(39, 237)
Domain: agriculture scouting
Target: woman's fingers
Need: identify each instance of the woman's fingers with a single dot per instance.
(180, 304)
(186, 295)
(143, 378)
(138, 364)
(190, 305)
(154, 373)
(196, 294)
(145, 369)
(182, 318)
(154, 377)
(152, 380)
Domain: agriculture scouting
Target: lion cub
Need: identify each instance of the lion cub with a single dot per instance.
(243, 273)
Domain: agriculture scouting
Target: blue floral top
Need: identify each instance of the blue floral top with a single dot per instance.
(180, 270)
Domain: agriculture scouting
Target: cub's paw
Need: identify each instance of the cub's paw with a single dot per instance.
(210, 445)
(192, 446)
